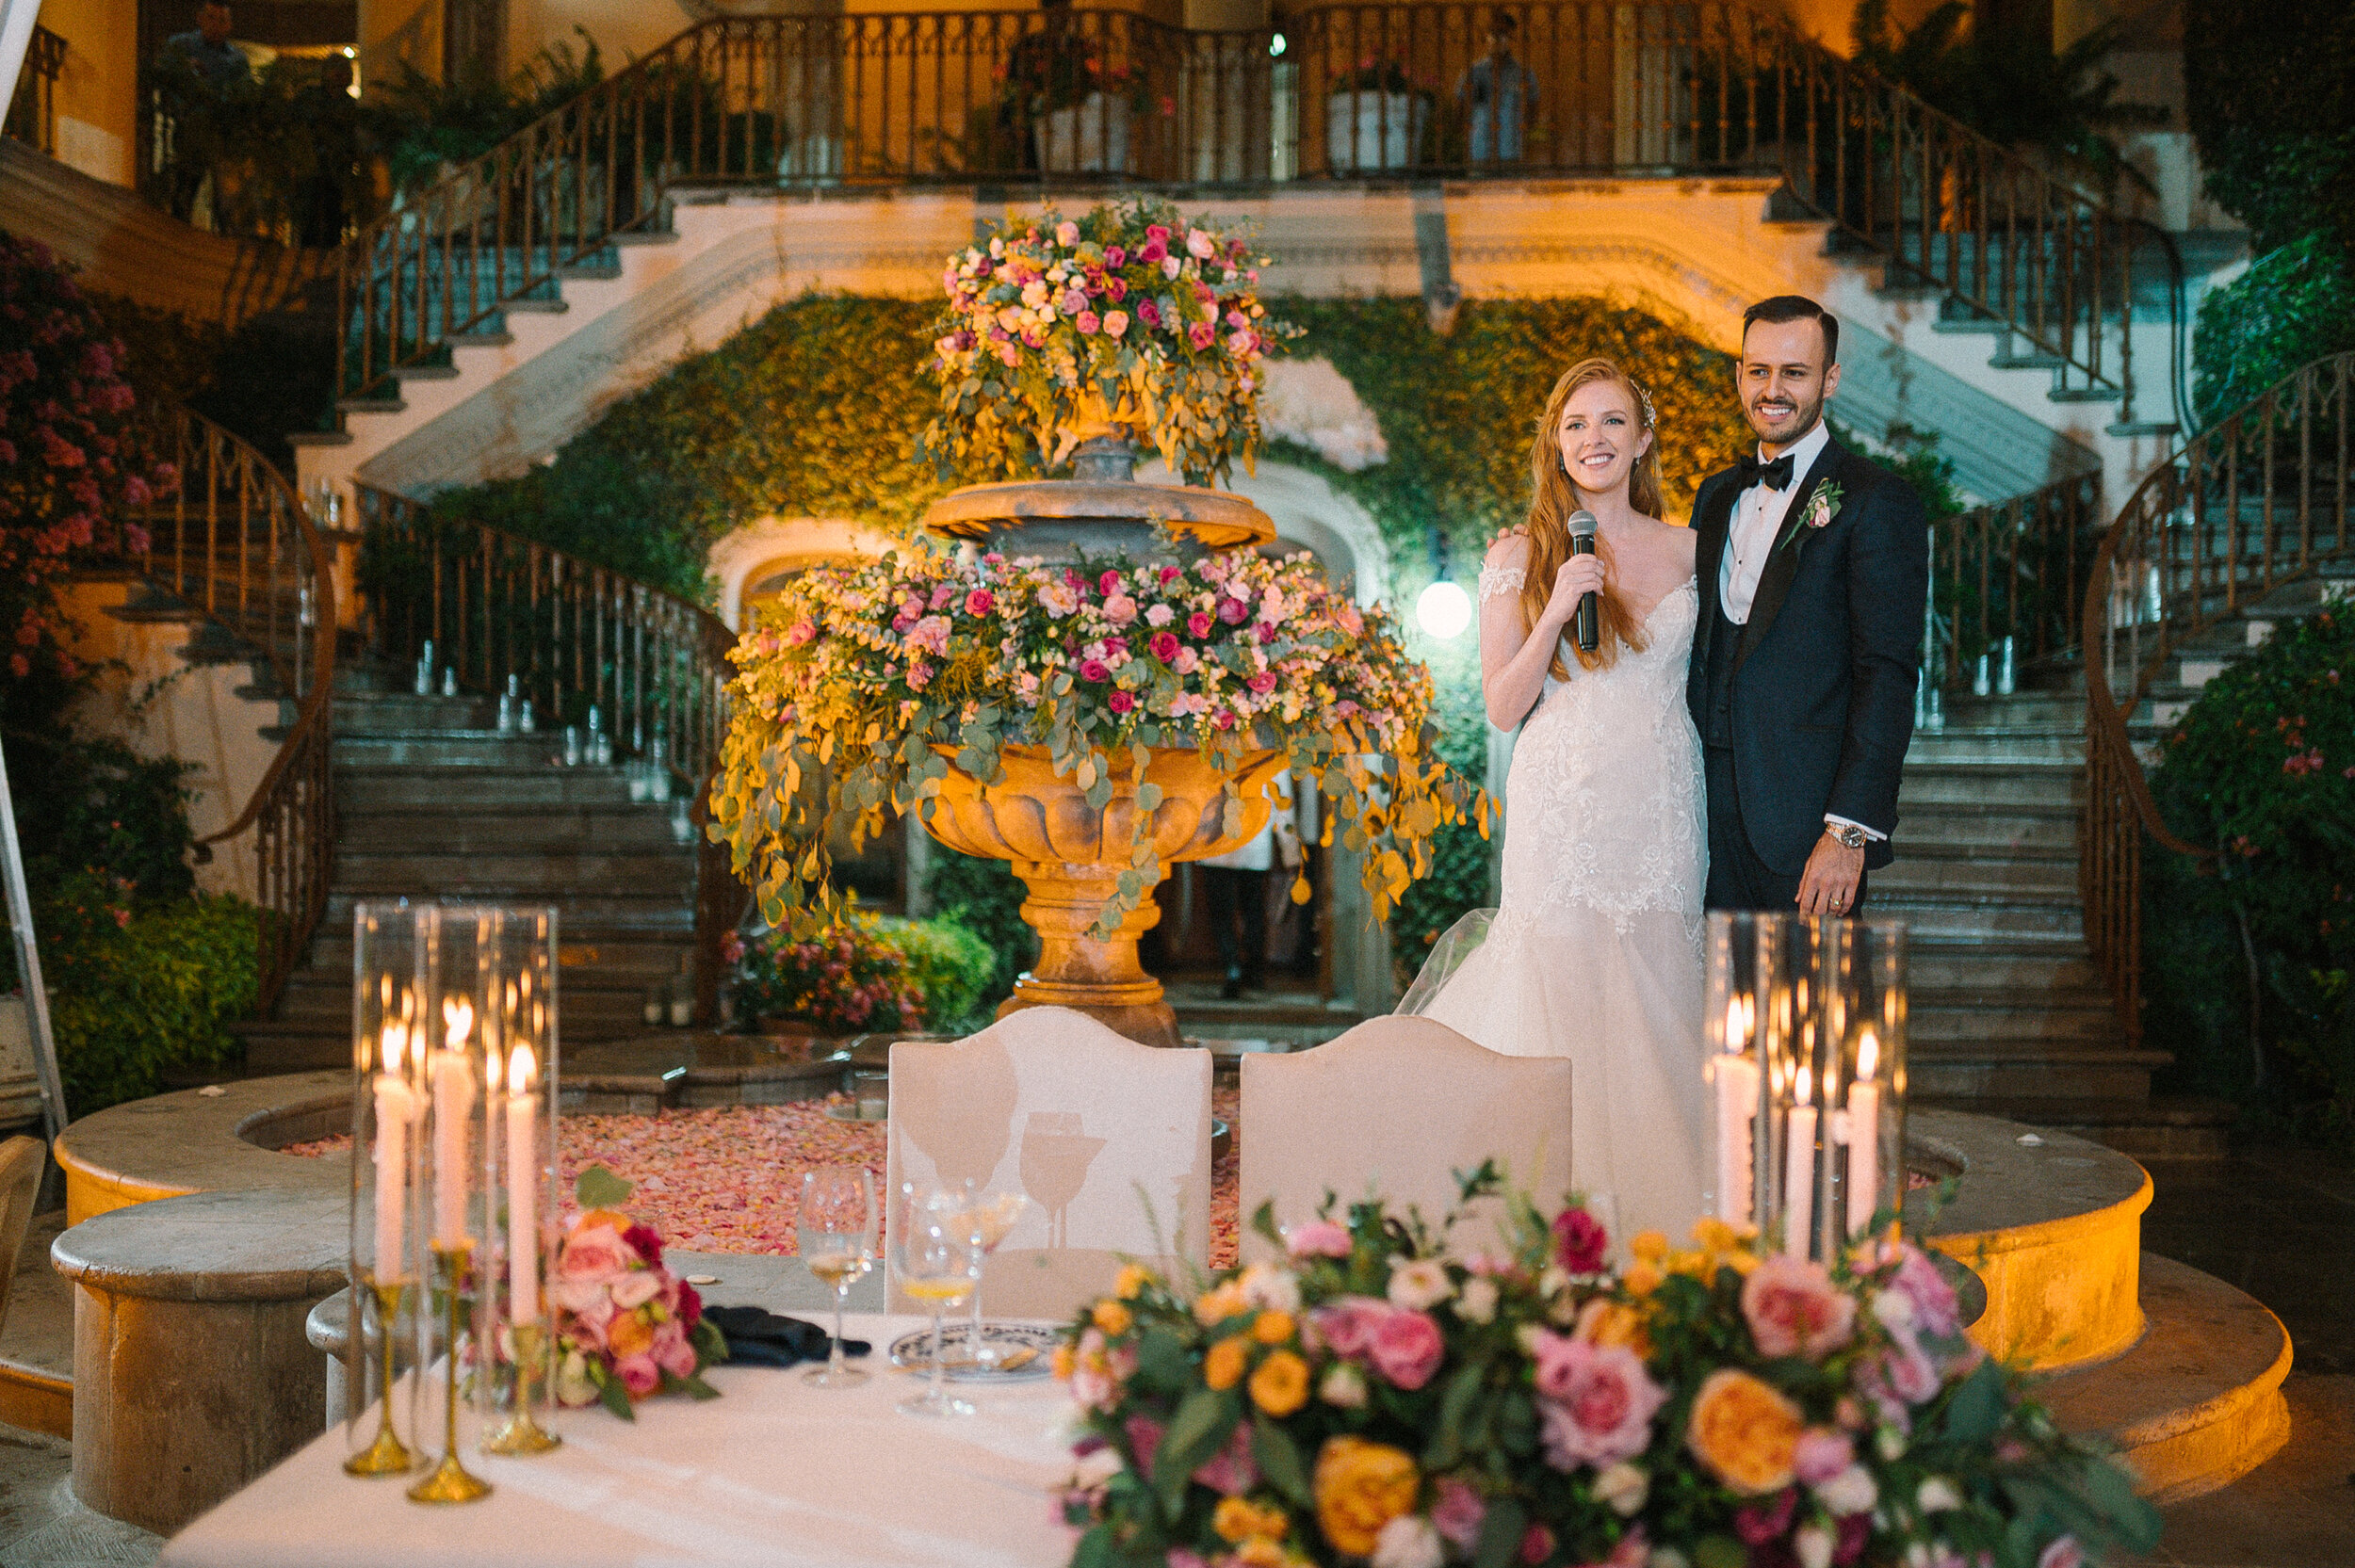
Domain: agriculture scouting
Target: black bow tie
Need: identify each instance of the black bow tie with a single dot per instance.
(1774, 475)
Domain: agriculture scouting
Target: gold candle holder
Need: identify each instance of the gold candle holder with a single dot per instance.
(521, 1434)
(451, 1481)
(387, 1455)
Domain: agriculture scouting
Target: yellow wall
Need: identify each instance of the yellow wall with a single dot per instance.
(98, 92)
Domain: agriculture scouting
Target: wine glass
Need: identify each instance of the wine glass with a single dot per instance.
(938, 1257)
(992, 1216)
(836, 1229)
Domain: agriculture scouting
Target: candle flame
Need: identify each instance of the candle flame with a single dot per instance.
(522, 1072)
(1868, 1055)
(396, 1043)
(1799, 1087)
(491, 1073)
(458, 1015)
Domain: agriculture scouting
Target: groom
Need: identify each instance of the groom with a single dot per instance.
(1813, 568)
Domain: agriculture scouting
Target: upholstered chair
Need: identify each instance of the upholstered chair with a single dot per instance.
(1109, 1139)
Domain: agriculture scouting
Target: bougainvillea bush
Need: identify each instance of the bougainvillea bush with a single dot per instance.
(1385, 1392)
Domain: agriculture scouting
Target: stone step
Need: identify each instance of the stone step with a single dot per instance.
(1932, 832)
(2059, 709)
(645, 919)
(1940, 1016)
(2038, 784)
(500, 830)
(2010, 1070)
(2162, 1127)
(400, 713)
(449, 749)
(1932, 875)
(579, 946)
(440, 867)
(1998, 967)
(381, 785)
(2019, 742)
(325, 1007)
(2006, 918)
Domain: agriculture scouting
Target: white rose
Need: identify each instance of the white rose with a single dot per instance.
(1894, 1308)
(1408, 1541)
(1478, 1303)
(573, 1386)
(1938, 1495)
(1419, 1285)
(1271, 1289)
(1813, 1545)
(1092, 1470)
(1344, 1386)
(1624, 1488)
(1850, 1492)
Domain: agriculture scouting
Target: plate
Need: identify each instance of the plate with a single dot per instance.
(1031, 1348)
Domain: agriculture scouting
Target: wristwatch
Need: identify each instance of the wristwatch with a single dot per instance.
(1847, 834)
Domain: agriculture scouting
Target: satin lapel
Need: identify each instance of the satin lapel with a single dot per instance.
(1782, 565)
(1711, 525)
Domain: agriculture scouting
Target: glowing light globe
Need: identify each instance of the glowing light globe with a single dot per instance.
(1443, 610)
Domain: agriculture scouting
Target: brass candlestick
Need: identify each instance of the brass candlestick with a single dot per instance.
(450, 1482)
(521, 1434)
(386, 1456)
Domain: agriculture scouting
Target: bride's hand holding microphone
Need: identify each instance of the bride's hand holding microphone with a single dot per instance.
(1573, 581)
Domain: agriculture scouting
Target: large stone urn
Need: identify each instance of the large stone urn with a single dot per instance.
(1068, 853)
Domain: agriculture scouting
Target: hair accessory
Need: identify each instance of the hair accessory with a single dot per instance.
(1651, 420)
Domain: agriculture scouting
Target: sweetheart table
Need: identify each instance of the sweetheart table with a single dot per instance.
(774, 1472)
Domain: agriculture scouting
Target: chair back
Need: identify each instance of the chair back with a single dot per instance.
(1393, 1108)
(1109, 1139)
(21, 1163)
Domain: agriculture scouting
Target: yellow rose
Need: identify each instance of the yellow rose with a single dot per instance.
(1280, 1385)
(1712, 1235)
(1651, 1246)
(1112, 1318)
(1360, 1487)
(1607, 1323)
(1696, 1264)
(1745, 1431)
(1131, 1281)
(1271, 1327)
(1223, 1367)
(1641, 1279)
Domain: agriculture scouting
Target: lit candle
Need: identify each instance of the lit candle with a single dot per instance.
(522, 1181)
(1737, 1100)
(395, 1104)
(1798, 1171)
(453, 1102)
(1864, 1134)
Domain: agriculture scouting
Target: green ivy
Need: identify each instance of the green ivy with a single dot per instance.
(2291, 307)
(985, 898)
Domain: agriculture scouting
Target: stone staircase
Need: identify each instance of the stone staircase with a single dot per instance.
(434, 803)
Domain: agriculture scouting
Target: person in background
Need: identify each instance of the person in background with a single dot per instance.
(1234, 886)
(209, 55)
(1497, 94)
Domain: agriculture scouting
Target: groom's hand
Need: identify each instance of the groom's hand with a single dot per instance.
(1829, 884)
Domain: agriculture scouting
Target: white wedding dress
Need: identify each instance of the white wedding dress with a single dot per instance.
(1596, 953)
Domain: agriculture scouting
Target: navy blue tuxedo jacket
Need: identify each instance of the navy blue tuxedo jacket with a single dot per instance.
(1824, 671)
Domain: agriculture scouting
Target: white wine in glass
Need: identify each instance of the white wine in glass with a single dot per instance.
(937, 1257)
(837, 1232)
(992, 1216)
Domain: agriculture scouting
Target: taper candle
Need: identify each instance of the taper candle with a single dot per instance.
(522, 1181)
(453, 1103)
(395, 1105)
(1864, 1134)
(1798, 1171)
(1737, 1099)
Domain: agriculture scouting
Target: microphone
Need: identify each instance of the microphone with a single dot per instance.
(1582, 543)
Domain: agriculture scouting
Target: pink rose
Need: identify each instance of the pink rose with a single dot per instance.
(672, 1351)
(1263, 683)
(1319, 1238)
(1201, 334)
(980, 602)
(1793, 1308)
(1234, 611)
(1457, 1512)
(594, 1254)
(1346, 1323)
(1094, 669)
(1148, 313)
(1088, 321)
(1230, 1472)
(1200, 246)
(639, 1374)
(1116, 322)
(1120, 701)
(1597, 1401)
(1115, 256)
(1579, 1241)
(1935, 1308)
(1537, 1545)
(800, 632)
(1066, 234)
(1186, 662)
(1821, 1453)
(1154, 252)
(1407, 1348)
(1164, 646)
(1119, 608)
(1109, 583)
(1198, 623)
(636, 1288)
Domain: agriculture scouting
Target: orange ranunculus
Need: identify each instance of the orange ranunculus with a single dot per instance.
(1360, 1487)
(1112, 1317)
(1641, 1279)
(1604, 1323)
(630, 1333)
(1271, 1327)
(1239, 1519)
(1260, 1552)
(1223, 1367)
(1745, 1431)
(1280, 1385)
(1650, 1246)
(1062, 1364)
(1214, 1307)
(1132, 1281)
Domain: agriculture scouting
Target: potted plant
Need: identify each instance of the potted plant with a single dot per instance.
(1376, 117)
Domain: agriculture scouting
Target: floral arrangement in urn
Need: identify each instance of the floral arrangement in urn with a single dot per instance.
(626, 1326)
(1383, 1396)
(883, 676)
(1130, 312)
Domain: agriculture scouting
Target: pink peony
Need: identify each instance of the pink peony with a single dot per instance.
(1597, 1401)
(1186, 662)
(1407, 1347)
(1066, 234)
(1822, 1454)
(1793, 1308)
(942, 594)
(594, 1254)
(639, 1374)
(1319, 1238)
(1579, 1241)
(1457, 1512)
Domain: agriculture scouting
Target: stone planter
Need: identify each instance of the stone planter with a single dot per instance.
(1089, 138)
(1371, 131)
(1068, 854)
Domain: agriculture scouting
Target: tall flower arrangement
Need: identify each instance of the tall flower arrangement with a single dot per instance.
(1385, 1393)
(860, 676)
(1157, 316)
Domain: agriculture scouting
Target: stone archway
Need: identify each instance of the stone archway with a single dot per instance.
(768, 548)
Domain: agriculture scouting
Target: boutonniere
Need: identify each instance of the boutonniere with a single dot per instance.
(1818, 509)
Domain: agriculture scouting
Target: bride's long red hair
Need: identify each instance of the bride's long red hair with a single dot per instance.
(1556, 497)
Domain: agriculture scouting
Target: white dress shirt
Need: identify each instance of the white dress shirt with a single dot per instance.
(1758, 518)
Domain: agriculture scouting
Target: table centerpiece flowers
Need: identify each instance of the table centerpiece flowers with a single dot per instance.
(626, 1326)
(1128, 312)
(884, 682)
(1377, 1391)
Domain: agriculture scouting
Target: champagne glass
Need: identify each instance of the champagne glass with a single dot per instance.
(992, 1216)
(836, 1229)
(938, 1257)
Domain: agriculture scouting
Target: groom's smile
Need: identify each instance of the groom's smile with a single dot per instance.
(1784, 379)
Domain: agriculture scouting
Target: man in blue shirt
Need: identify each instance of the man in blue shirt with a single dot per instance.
(207, 51)
(1497, 94)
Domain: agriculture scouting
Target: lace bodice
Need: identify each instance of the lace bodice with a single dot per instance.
(1603, 801)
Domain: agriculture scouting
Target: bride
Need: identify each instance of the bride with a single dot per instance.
(1596, 953)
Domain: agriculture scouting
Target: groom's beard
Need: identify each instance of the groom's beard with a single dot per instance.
(1805, 417)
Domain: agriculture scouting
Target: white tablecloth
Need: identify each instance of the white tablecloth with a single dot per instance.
(774, 1472)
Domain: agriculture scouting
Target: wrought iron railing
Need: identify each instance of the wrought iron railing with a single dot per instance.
(232, 541)
(32, 112)
(511, 615)
(2012, 571)
(2255, 502)
(1554, 87)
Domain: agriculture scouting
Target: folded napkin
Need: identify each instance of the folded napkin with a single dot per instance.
(758, 1338)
